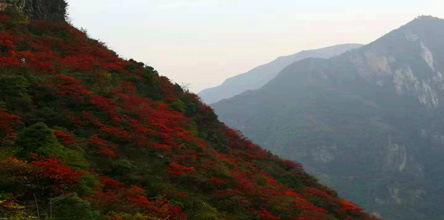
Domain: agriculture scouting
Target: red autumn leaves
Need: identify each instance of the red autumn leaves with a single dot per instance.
(104, 101)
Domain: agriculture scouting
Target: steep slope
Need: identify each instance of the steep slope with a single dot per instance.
(368, 123)
(259, 76)
(87, 135)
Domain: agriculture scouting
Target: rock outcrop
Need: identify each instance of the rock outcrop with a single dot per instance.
(51, 10)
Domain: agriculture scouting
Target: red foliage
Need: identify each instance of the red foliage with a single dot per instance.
(269, 194)
(63, 175)
(132, 118)
(310, 191)
(128, 86)
(264, 214)
(307, 207)
(175, 169)
(64, 137)
(291, 164)
(4, 18)
(182, 195)
(245, 184)
(113, 195)
(69, 86)
(8, 122)
(349, 207)
(215, 180)
(162, 146)
(117, 132)
(78, 63)
(109, 183)
(86, 118)
(107, 151)
(10, 61)
(95, 140)
(7, 40)
(167, 89)
(103, 103)
(104, 148)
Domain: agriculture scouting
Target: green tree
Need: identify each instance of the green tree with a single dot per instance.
(70, 206)
(36, 137)
(40, 139)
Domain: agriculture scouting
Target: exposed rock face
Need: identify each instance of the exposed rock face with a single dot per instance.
(51, 10)
(396, 157)
(368, 123)
(3, 5)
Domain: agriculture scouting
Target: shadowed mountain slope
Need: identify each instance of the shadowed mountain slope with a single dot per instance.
(368, 123)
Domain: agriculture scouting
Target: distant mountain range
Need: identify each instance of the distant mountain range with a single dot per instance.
(368, 123)
(259, 76)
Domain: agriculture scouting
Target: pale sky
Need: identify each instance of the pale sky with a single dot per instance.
(200, 43)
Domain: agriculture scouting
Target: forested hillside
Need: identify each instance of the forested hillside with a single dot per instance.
(85, 134)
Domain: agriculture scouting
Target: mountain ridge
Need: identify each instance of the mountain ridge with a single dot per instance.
(375, 110)
(259, 76)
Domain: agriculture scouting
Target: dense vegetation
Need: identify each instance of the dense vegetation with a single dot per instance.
(368, 123)
(85, 134)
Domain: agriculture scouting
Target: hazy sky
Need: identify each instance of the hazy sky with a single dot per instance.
(200, 43)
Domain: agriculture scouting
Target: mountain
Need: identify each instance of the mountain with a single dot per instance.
(259, 76)
(368, 123)
(87, 135)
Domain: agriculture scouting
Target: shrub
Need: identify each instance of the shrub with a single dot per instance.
(36, 136)
(70, 206)
(40, 139)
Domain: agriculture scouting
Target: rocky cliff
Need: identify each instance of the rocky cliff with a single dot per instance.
(51, 10)
(368, 123)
